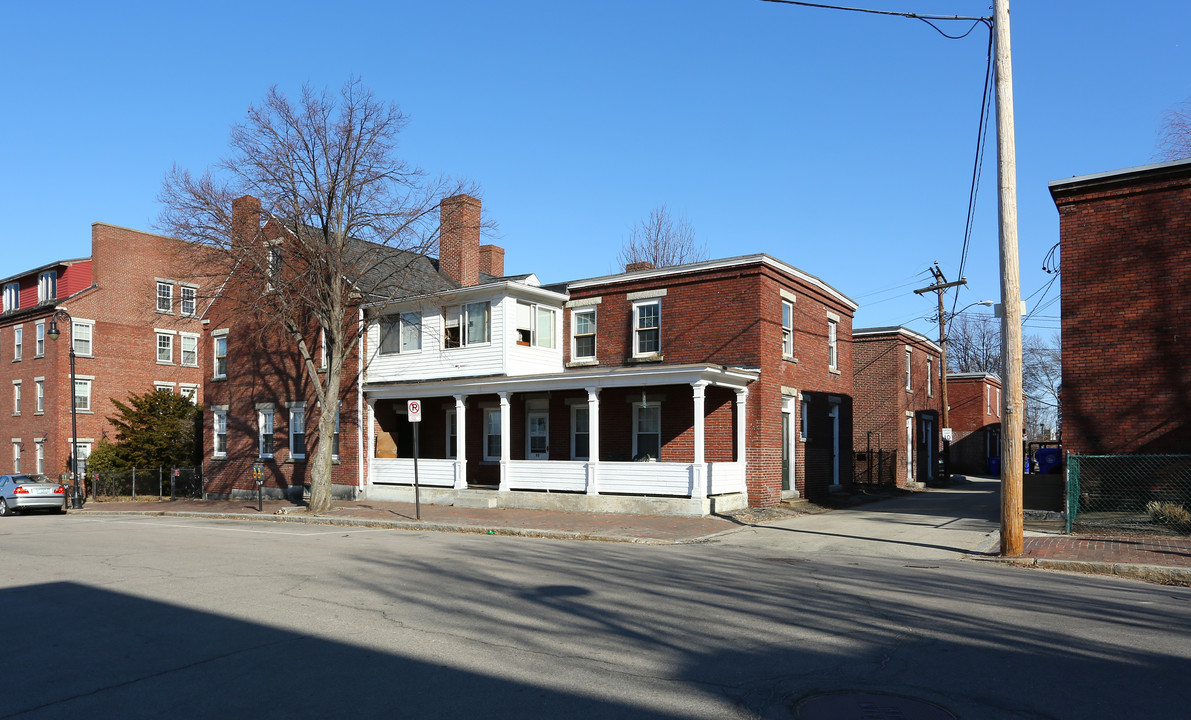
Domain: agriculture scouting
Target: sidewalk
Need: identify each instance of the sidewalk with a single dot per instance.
(1163, 559)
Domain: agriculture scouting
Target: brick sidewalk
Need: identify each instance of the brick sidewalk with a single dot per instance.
(1160, 550)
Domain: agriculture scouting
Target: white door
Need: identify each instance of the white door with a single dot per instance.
(909, 449)
(538, 438)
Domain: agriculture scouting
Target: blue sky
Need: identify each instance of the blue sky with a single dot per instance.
(841, 143)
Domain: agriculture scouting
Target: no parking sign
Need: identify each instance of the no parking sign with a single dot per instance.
(414, 407)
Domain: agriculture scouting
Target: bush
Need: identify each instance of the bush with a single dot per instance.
(1168, 513)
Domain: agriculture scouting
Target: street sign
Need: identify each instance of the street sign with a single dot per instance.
(415, 410)
(947, 435)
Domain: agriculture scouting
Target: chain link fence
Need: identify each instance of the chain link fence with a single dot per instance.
(1129, 493)
(148, 484)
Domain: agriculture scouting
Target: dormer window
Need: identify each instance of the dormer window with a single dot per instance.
(47, 285)
(12, 297)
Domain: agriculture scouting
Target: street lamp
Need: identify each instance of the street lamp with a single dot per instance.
(76, 502)
(943, 377)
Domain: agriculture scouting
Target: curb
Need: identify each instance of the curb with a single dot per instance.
(1147, 573)
(401, 525)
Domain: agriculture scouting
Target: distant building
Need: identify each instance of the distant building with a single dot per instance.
(975, 416)
(1125, 242)
(135, 327)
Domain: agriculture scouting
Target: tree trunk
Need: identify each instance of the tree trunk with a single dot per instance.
(320, 470)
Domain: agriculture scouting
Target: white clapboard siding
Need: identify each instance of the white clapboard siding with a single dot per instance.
(433, 361)
(725, 477)
(644, 478)
(400, 471)
(548, 475)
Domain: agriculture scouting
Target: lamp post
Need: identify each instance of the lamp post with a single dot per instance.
(75, 501)
(943, 378)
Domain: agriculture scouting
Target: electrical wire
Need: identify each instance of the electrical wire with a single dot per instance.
(977, 161)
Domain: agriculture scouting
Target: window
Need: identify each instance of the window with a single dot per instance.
(400, 333)
(39, 340)
(492, 434)
(190, 392)
(165, 348)
(189, 294)
(165, 297)
(832, 344)
(47, 285)
(647, 324)
(84, 453)
(82, 395)
(220, 432)
(16, 457)
(39, 391)
(164, 387)
(297, 432)
(452, 435)
(583, 327)
(647, 431)
(18, 342)
(322, 348)
(273, 269)
(12, 297)
(930, 369)
(80, 337)
(335, 438)
(580, 432)
(535, 325)
(39, 456)
(467, 325)
(787, 328)
(265, 432)
(998, 405)
(987, 400)
(804, 414)
(909, 386)
(16, 397)
(221, 356)
(190, 350)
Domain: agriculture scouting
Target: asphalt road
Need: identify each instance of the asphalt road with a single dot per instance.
(155, 616)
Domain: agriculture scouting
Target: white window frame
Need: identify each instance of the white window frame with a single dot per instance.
(265, 429)
(637, 410)
(188, 300)
(998, 405)
(219, 430)
(18, 341)
(89, 327)
(787, 329)
(576, 335)
(335, 438)
(987, 400)
(297, 418)
(832, 344)
(537, 337)
(39, 456)
(638, 330)
(804, 419)
(451, 435)
(460, 317)
(168, 347)
(168, 387)
(406, 331)
(12, 296)
(39, 339)
(909, 370)
(189, 391)
(16, 397)
(491, 416)
(47, 285)
(930, 369)
(322, 348)
(16, 457)
(576, 410)
(85, 384)
(218, 341)
(194, 351)
(39, 385)
(165, 297)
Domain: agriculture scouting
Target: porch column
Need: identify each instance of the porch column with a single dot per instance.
(699, 469)
(370, 418)
(593, 440)
(460, 443)
(742, 427)
(506, 444)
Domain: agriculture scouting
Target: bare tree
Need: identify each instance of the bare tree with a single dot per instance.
(1042, 375)
(1174, 143)
(974, 344)
(661, 240)
(339, 220)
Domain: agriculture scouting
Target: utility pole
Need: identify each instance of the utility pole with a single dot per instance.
(940, 285)
(1011, 438)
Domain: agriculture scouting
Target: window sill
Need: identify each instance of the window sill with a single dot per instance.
(834, 371)
(294, 461)
(263, 458)
(582, 363)
(790, 359)
(163, 362)
(218, 457)
(42, 412)
(221, 378)
(164, 312)
(646, 358)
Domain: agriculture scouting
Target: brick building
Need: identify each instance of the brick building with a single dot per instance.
(975, 417)
(1125, 240)
(898, 404)
(133, 327)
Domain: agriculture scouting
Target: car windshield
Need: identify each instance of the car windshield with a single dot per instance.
(26, 479)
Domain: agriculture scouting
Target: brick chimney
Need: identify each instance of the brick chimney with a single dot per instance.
(246, 218)
(492, 260)
(634, 267)
(459, 239)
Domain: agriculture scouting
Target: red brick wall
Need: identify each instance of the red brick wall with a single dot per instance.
(1126, 270)
(459, 240)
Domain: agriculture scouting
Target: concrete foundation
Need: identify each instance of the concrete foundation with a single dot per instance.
(567, 502)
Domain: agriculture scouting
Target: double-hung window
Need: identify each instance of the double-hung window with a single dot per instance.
(80, 337)
(189, 295)
(16, 397)
(467, 324)
(39, 456)
(400, 333)
(535, 325)
(16, 457)
(647, 431)
(220, 343)
(335, 438)
(18, 342)
(297, 431)
(930, 369)
(190, 350)
(219, 418)
(39, 389)
(47, 285)
(264, 424)
(909, 365)
(580, 432)
(82, 395)
(492, 434)
(804, 417)
(647, 328)
(583, 327)
(832, 344)
(787, 328)
(12, 296)
(39, 339)
(165, 297)
(165, 348)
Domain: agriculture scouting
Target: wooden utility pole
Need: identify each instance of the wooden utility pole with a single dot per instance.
(940, 285)
(1011, 416)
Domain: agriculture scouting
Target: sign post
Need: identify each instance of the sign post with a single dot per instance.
(414, 407)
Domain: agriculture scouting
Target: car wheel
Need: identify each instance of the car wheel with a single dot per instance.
(4, 508)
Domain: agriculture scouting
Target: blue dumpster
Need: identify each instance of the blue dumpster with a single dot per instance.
(994, 466)
(1049, 460)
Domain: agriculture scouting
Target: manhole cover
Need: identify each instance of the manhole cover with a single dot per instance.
(868, 706)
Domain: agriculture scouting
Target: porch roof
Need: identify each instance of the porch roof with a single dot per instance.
(731, 377)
